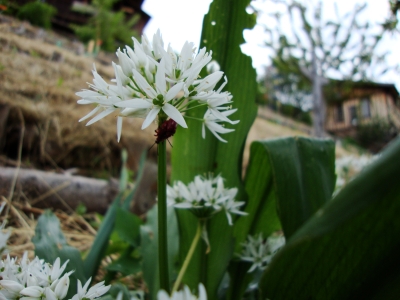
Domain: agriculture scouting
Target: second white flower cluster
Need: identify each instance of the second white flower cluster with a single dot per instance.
(36, 279)
(152, 82)
(204, 197)
(260, 251)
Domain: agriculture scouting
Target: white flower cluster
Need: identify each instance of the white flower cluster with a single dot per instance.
(30, 280)
(151, 81)
(204, 197)
(259, 251)
(185, 294)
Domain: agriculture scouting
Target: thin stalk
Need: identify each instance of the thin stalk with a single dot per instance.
(194, 118)
(162, 216)
(188, 257)
(192, 107)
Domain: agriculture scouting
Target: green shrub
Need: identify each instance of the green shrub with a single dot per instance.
(109, 27)
(296, 113)
(8, 7)
(37, 13)
(375, 134)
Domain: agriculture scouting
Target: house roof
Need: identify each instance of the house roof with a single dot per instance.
(341, 90)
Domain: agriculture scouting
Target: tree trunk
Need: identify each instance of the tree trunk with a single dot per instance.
(318, 101)
(318, 109)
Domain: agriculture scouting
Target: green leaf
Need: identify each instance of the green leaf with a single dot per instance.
(99, 247)
(149, 249)
(127, 226)
(349, 248)
(50, 243)
(192, 155)
(128, 263)
(295, 175)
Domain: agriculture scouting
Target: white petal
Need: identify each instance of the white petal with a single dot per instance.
(135, 112)
(174, 91)
(87, 93)
(119, 128)
(134, 103)
(101, 115)
(202, 292)
(61, 289)
(218, 128)
(144, 85)
(83, 101)
(174, 114)
(217, 136)
(221, 116)
(151, 117)
(90, 114)
(160, 79)
(32, 291)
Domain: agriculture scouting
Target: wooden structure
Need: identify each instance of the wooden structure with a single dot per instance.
(66, 15)
(350, 104)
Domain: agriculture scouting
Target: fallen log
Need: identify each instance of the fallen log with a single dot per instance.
(57, 190)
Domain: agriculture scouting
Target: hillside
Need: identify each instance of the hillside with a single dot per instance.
(40, 72)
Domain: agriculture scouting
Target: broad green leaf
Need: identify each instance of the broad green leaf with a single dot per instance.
(128, 263)
(295, 175)
(50, 243)
(99, 247)
(149, 249)
(350, 248)
(192, 155)
(127, 226)
(289, 178)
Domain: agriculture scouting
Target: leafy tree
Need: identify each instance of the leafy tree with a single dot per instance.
(392, 21)
(287, 87)
(106, 26)
(316, 49)
(37, 13)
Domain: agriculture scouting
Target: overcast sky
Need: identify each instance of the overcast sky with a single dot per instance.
(181, 20)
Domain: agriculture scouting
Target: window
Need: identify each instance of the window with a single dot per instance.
(339, 113)
(353, 115)
(365, 108)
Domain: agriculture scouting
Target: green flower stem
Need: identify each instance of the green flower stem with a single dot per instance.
(162, 215)
(188, 257)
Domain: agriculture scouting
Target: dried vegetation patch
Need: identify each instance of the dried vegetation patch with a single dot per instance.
(39, 80)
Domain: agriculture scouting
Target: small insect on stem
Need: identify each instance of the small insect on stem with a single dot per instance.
(165, 130)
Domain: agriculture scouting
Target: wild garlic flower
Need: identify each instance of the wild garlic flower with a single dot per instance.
(185, 294)
(95, 291)
(205, 197)
(156, 84)
(137, 295)
(259, 251)
(37, 279)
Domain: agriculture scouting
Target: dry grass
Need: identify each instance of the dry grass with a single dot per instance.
(40, 80)
(22, 221)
